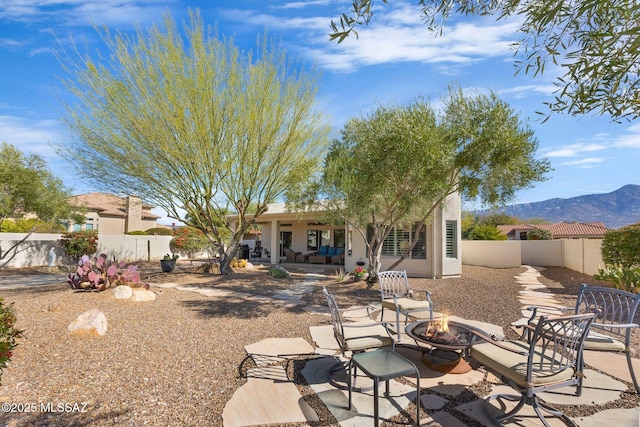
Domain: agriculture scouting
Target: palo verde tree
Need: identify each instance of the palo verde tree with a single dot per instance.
(27, 189)
(593, 42)
(193, 125)
(395, 166)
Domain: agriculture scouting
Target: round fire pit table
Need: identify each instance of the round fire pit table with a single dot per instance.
(448, 342)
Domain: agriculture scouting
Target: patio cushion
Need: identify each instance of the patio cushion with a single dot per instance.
(339, 251)
(596, 341)
(323, 250)
(513, 365)
(331, 251)
(360, 338)
(406, 304)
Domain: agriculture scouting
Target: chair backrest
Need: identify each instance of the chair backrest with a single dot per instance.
(556, 344)
(611, 306)
(336, 317)
(393, 283)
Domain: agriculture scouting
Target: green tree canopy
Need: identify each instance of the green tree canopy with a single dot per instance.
(486, 232)
(28, 188)
(395, 166)
(193, 125)
(539, 234)
(594, 42)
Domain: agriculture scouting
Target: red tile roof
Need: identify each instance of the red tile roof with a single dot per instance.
(561, 229)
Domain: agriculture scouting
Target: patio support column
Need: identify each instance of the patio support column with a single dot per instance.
(274, 250)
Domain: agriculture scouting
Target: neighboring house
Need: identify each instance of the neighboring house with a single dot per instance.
(559, 230)
(437, 254)
(111, 214)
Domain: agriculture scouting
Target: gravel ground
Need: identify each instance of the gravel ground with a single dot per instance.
(178, 360)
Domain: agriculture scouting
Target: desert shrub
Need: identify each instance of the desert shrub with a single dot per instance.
(8, 334)
(625, 278)
(276, 272)
(622, 247)
(539, 234)
(29, 225)
(137, 233)
(486, 232)
(98, 274)
(159, 231)
(341, 275)
(238, 263)
(79, 243)
(189, 241)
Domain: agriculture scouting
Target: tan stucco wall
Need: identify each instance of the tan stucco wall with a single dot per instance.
(542, 252)
(43, 249)
(492, 253)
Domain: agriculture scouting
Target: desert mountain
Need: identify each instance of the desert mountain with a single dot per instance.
(616, 209)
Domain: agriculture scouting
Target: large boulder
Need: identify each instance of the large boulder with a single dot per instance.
(122, 292)
(91, 322)
(143, 295)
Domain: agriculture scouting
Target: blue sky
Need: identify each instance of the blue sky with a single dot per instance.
(393, 61)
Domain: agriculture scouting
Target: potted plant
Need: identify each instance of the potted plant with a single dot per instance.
(168, 263)
(359, 273)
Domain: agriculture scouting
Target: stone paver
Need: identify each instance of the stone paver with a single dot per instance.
(267, 401)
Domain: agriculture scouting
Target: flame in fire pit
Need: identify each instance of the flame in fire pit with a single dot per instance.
(438, 327)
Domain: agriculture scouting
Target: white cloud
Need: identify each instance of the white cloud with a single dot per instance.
(84, 12)
(30, 136)
(575, 150)
(396, 35)
(585, 163)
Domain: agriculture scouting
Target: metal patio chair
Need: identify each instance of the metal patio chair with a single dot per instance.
(616, 312)
(551, 359)
(397, 295)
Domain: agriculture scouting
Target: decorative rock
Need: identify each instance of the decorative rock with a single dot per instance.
(122, 292)
(143, 295)
(92, 322)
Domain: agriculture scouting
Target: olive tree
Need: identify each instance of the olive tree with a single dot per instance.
(593, 42)
(27, 189)
(395, 166)
(193, 125)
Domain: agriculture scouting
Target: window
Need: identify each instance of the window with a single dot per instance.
(451, 239)
(88, 226)
(77, 227)
(399, 240)
(339, 238)
(317, 238)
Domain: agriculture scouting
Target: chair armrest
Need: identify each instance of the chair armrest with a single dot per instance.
(369, 309)
(534, 309)
(427, 293)
(492, 341)
(386, 326)
(614, 325)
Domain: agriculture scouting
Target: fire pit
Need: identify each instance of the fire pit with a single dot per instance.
(447, 340)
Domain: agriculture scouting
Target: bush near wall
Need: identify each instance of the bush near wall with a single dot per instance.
(78, 243)
(159, 231)
(622, 246)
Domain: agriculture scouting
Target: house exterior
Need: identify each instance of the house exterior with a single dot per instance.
(111, 214)
(559, 230)
(437, 254)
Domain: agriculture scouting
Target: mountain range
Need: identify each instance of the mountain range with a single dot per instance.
(616, 209)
